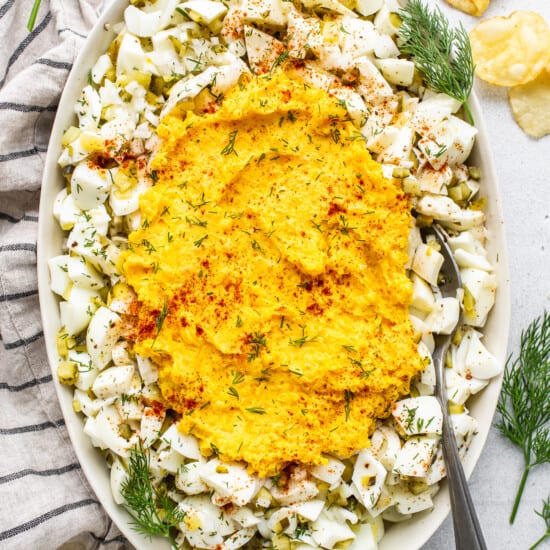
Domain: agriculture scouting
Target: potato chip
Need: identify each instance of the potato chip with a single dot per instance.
(531, 105)
(473, 7)
(509, 51)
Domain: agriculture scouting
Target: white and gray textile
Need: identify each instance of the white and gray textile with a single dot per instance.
(45, 500)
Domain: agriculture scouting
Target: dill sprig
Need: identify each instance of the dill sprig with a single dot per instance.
(153, 512)
(442, 55)
(159, 321)
(523, 404)
(257, 340)
(33, 14)
(230, 147)
(304, 339)
(545, 515)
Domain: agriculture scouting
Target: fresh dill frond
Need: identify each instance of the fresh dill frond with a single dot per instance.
(523, 404)
(153, 512)
(442, 55)
(545, 515)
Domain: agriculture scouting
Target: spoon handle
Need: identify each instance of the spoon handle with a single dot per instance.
(468, 534)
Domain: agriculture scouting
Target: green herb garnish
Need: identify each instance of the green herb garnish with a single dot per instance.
(33, 14)
(233, 392)
(280, 59)
(198, 242)
(159, 321)
(153, 512)
(441, 54)
(545, 515)
(523, 404)
(256, 341)
(256, 410)
(238, 377)
(230, 147)
(304, 339)
(348, 396)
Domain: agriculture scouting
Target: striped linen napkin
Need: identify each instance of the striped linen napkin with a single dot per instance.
(45, 500)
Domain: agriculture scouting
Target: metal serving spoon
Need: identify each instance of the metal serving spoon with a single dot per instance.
(468, 534)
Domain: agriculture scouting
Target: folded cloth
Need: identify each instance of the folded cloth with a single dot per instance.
(46, 502)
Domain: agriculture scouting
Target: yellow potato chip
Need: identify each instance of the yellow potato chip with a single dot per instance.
(473, 7)
(509, 51)
(531, 105)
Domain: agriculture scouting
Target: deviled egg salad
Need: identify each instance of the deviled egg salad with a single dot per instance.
(166, 56)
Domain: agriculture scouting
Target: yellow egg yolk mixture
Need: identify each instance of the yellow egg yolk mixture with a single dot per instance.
(269, 273)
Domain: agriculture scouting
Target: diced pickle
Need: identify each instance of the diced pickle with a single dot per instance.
(114, 46)
(411, 186)
(348, 472)
(64, 342)
(168, 419)
(418, 487)
(479, 204)
(110, 74)
(125, 431)
(322, 486)
(469, 303)
(336, 497)
(126, 178)
(281, 542)
(219, 48)
(157, 85)
(67, 372)
(350, 4)
(455, 193)
(125, 96)
(455, 408)
(343, 544)
(400, 172)
(151, 98)
(457, 337)
(97, 302)
(448, 360)
(121, 291)
(434, 245)
(263, 496)
(178, 45)
(460, 193)
(71, 133)
(152, 393)
(424, 221)
(216, 26)
(475, 172)
(143, 79)
(465, 190)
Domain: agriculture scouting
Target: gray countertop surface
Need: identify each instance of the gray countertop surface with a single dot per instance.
(523, 170)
